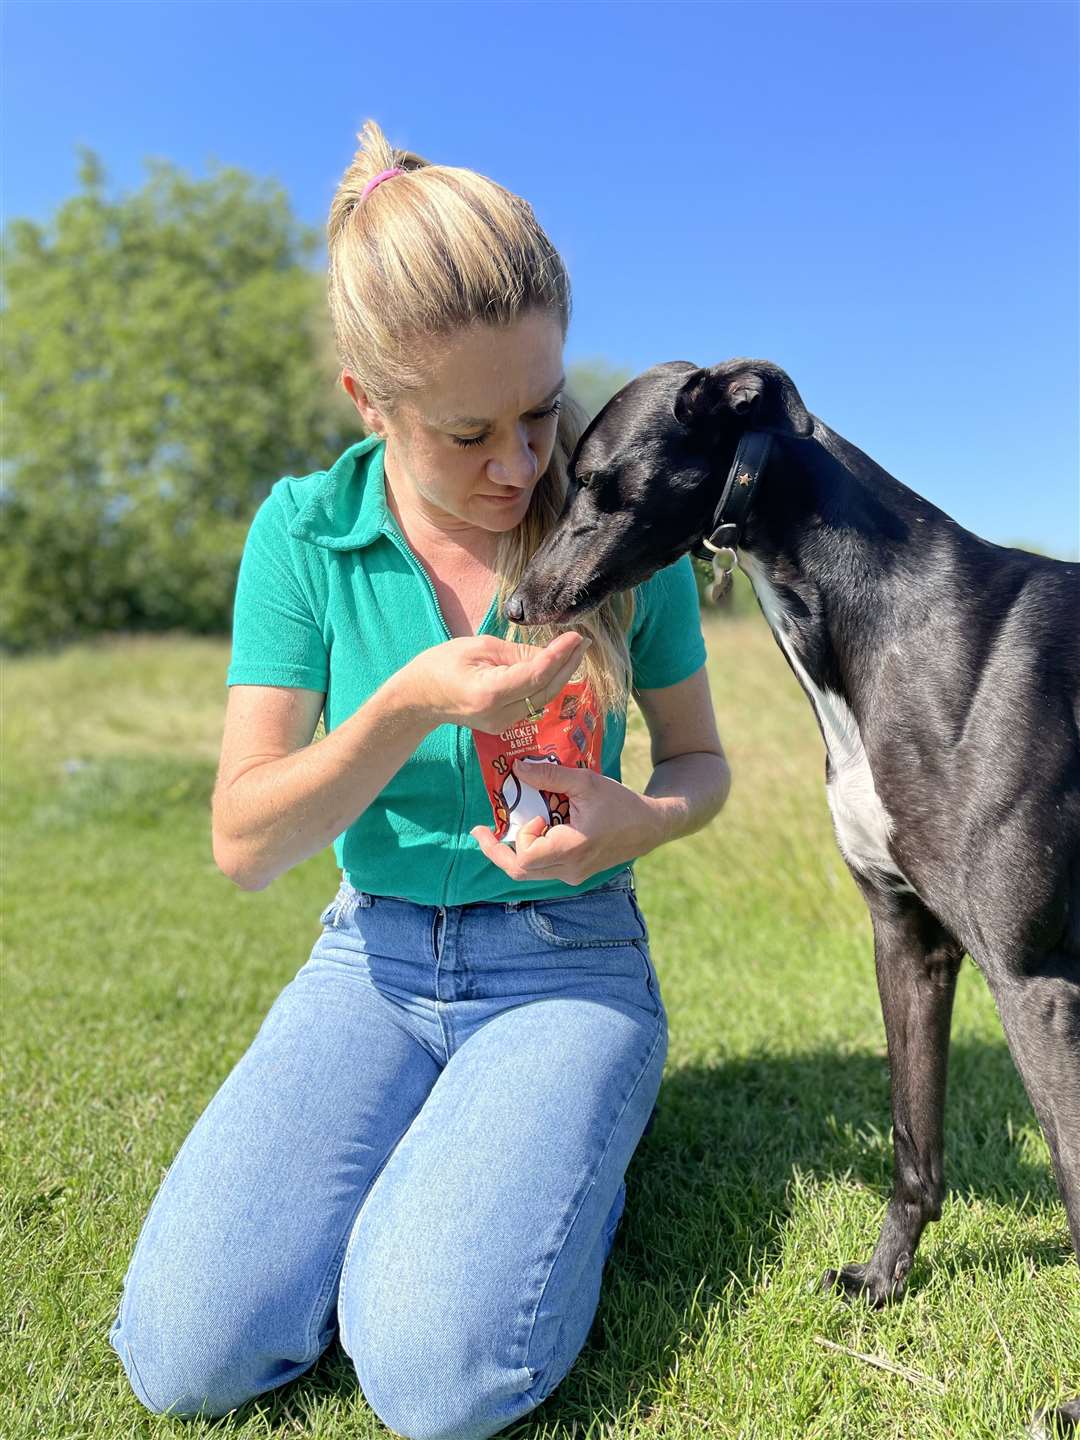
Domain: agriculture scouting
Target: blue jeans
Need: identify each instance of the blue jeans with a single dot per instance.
(423, 1149)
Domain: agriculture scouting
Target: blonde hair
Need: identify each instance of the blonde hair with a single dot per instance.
(428, 253)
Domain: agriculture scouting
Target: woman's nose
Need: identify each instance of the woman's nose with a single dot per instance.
(516, 464)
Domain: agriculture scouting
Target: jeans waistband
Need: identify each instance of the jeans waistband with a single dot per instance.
(624, 880)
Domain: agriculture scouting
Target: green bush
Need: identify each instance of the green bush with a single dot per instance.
(165, 360)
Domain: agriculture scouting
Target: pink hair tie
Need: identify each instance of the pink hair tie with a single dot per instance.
(378, 179)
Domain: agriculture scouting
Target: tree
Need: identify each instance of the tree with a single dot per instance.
(164, 361)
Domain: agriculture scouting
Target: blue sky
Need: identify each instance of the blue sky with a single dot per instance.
(881, 198)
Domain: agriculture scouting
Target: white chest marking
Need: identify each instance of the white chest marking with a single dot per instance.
(861, 822)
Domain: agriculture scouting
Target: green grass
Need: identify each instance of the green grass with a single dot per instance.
(137, 975)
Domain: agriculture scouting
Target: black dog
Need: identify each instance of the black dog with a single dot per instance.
(945, 675)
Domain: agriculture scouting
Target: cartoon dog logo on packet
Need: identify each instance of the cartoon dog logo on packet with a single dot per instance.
(570, 732)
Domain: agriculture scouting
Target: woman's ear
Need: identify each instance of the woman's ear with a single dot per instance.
(372, 416)
(755, 393)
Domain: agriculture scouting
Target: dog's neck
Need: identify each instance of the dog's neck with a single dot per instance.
(839, 552)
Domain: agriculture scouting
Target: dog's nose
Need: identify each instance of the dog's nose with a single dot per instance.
(515, 609)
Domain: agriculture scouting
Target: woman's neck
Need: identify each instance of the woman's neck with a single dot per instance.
(460, 546)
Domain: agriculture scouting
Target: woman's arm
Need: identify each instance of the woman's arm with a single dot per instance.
(691, 779)
(280, 799)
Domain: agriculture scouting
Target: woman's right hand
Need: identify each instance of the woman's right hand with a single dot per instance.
(482, 681)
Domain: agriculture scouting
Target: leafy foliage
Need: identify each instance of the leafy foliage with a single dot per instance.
(164, 363)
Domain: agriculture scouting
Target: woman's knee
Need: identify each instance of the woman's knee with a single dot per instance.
(183, 1383)
(198, 1365)
(460, 1360)
(434, 1367)
(423, 1394)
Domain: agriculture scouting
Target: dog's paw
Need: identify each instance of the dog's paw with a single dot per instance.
(858, 1281)
(1059, 1422)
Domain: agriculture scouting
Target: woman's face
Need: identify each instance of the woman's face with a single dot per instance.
(481, 428)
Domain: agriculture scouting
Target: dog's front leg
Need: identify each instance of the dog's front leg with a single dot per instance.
(917, 963)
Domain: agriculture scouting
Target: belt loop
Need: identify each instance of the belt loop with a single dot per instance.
(354, 898)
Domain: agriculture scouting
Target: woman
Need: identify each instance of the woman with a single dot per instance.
(424, 1146)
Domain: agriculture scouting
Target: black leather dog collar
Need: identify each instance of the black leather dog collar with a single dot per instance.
(750, 460)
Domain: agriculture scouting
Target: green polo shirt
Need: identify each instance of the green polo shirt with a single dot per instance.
(329, 597)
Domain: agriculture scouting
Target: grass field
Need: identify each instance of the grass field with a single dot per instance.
(137, 974)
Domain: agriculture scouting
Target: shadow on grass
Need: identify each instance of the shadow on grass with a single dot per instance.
(709, 1187)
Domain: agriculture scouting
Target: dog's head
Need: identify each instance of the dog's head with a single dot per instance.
(645, 479)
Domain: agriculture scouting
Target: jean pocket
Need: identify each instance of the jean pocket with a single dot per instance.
(598, 918)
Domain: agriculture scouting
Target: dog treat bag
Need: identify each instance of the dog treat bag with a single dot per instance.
(570, 732)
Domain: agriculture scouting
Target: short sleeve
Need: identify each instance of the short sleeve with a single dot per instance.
(277, 639)
(666, 643)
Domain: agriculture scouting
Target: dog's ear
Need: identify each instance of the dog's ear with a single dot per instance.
(755, 392)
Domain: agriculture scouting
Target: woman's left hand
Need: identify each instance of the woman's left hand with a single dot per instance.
(608, 824)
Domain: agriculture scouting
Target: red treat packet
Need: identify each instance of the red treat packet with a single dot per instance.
(570, 732)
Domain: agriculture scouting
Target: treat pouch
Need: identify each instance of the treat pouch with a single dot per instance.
(570, 732)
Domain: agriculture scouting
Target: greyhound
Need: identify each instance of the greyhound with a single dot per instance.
(944, 673)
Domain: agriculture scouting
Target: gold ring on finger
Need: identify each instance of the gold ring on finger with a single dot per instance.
(531, 710)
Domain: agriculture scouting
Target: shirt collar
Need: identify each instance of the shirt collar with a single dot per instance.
(347, 508)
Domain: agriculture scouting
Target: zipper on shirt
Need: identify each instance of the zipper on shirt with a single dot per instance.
(403, 545)
(461, 742)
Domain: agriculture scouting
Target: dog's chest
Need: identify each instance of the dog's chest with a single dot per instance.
(863, 826)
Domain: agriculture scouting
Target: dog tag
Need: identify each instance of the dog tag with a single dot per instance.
(723, 562)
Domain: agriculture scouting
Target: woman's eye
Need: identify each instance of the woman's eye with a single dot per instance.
(465, 441)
